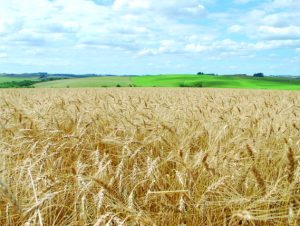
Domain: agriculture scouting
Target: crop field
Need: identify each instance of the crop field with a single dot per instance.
(131, 156)
(105, 81)
(13, 79)
(208, 81)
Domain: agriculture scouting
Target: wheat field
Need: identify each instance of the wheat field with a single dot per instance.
(152, 156)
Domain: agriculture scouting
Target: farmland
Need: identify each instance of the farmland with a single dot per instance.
(105, 81)
(188, 80)
(232, 81)
(14, 79)
(125, 156)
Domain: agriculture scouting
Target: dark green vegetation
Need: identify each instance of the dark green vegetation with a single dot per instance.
(4, 79)
(24, 82)
(20, 84)
(217, 82)
(188, 80)
(104, 81)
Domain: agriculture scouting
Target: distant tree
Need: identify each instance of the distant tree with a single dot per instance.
(118, 85)
(42, 74)
(200, 73)
(260, 75)
(21, 84)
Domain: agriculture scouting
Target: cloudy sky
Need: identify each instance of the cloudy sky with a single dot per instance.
(150, 36)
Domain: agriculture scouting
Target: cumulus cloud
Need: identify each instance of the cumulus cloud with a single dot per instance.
(229, 47)
(276, 20)
(140, 28)
(282, 33)
(131, 4)
(127, 25)
(285, 4)
(171, 8)
(3, 55)
(235, 28)
(166, 47)
(196, 48)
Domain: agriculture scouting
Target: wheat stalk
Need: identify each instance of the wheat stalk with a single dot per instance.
(35, 196)
(149, 157)
(291, 164)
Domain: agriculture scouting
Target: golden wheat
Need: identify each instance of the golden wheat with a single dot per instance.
(149, 157)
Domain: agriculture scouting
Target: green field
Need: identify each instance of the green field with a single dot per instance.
(177, 81)
(15, 79)
(219, 81)
(188, 80)
(106, 81)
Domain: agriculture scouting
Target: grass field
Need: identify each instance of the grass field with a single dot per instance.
(14, 79)
(108, 81)
(219, 81)
(178, 80)
(121, 156)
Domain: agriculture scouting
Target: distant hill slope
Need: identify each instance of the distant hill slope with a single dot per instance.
(105, 81)
(217, 81)
(15, 79)
(186, 80)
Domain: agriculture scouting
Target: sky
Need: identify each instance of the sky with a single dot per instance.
(150, 36)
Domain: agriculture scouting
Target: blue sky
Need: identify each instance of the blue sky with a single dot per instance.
(150, 36)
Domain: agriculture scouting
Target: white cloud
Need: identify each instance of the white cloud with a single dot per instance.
(235, 28)
(136, 28)
(267, 21)
(285, 4)
(282, 19)
(196, 48)
(282, 33)
(131, 4)
(166, 47)
(229, 47)
(3, 55)
(148, 52)
(168, 8)
(129, 25)
(195, 10)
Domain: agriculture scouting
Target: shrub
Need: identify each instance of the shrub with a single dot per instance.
(260, 75)
(194, 84)
(197, 84)
(20, 84)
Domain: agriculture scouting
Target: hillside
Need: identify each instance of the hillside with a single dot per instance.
(177, 81)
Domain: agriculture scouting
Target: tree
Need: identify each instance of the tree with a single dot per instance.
(260, 75)
(42, 74)
(200, 73)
